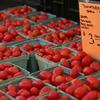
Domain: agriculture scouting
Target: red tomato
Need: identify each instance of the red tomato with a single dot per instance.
(81, 91)
(24, 93)
(13, 70)
(3, 48)
(38, 84)
(45, 75)
(34, 91)
(25, 84)
(12, 93)
(93, 82)
(18, 74)
(3, 75)
(44, 90)
(53, 95)
(11, 87)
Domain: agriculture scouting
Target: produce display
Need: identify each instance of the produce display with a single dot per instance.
(82, 63)
(10, 52)
(22, 10)
(56, 76)
(10, 23)
(14, 23)
(8, 71)
(83, 90)
(77, 30)
(26, 89)
(55, 55)
(4, 16)
(60, 37)
(60, 24)
(34, 31)
(76, 46)
(7, 36)
(38, 17)
(35, 47)
(42, 58)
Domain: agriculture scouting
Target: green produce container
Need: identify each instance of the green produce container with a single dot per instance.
(72, 51)
(73, 30)
(8, 9)
(56, 19)
(20, 60)
(16, 81)
(33, 25)
(40, 12)
(32, 13)
(69, 42)
(18, 18)
(5, 94)
(44, 63)
(66, 71)
(36, 74)
(32, 62)
(25, 72)
(10, 16)
(83, 79)
(14, 43)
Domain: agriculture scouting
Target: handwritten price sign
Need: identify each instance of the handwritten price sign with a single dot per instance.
(90, 28)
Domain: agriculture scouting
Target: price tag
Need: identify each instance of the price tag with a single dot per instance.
(90, 28)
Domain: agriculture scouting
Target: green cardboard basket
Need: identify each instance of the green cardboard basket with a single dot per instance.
(33, 25)
(10, 16)
(7, 10)
(32, 62)
(17, 80)
(66, 71)
(25, 72)
(20, 60)
(58, 18)
(77, 38)
(50, 16)
(44, 63)
(14, 43)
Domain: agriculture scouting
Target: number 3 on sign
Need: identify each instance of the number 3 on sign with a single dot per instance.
(91, 40)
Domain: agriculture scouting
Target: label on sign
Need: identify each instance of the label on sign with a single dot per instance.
(90, 28)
